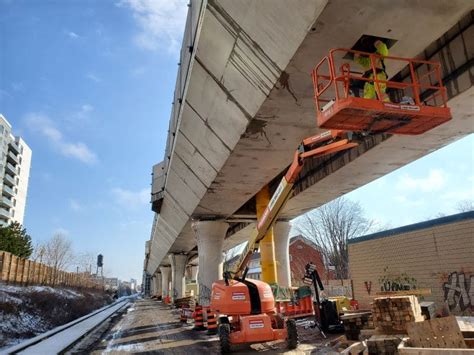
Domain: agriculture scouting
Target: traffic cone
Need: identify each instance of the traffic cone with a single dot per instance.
(211, 322)
(199, 320)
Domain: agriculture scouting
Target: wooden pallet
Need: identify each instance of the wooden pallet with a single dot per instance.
(436, 333)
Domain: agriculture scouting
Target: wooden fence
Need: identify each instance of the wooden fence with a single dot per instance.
(20, 271)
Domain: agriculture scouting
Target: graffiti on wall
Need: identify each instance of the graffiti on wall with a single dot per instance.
(396, 282)
(459, 291)
(368, 286)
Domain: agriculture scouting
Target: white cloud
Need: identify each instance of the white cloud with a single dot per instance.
(87, 108)
(80, 151)
(43, 125)
(94, 78)
(72, 35)
(131, 199)
(435, 181)
(458, 194)
(82, 114)
(162, 22)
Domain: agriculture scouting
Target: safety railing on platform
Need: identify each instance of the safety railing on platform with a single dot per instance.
(332, 83)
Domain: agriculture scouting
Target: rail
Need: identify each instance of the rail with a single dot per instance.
(332, 84)
(64, 337)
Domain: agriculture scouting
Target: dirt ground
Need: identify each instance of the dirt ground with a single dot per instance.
(150, 327)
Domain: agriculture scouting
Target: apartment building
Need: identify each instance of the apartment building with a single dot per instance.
(15, 162)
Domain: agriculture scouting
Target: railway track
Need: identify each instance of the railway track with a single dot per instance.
(62, 338)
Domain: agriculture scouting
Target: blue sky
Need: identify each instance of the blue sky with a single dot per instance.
(89, 86)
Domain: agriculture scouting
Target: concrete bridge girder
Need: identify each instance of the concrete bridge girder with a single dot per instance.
(228, 124)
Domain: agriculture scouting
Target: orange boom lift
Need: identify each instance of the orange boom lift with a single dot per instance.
(246, 308)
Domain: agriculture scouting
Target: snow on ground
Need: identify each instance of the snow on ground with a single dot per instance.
(28, 311)
(21, 323)
(8, 292)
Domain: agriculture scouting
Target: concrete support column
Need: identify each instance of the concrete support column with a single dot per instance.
(178, 280)
(152, 286)
(165, 281)
(158, 281)
(281, 231)
(210, 240)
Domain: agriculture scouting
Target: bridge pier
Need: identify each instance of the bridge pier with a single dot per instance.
(157, 284)
(178, 269)
(165, 281)
(210, 239)
(281, 231)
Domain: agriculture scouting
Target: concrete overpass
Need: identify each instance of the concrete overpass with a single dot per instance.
(243, 102)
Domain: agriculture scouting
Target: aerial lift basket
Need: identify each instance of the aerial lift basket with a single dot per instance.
(417, 104)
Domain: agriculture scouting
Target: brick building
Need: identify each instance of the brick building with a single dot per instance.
(302, 251)
(437, 254)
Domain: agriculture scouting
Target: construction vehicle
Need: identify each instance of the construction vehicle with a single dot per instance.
(326, 315)
(246, 308)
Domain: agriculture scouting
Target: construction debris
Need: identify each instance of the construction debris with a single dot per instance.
(384, 344)
(428, 309)
(187, 302)
(355, 322)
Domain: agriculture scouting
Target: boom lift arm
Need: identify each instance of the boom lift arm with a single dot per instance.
(315, 146)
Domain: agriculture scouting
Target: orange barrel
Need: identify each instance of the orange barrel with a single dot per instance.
(211, 322)
(199, 320)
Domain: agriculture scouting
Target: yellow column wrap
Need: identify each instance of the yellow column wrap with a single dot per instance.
(267, 246)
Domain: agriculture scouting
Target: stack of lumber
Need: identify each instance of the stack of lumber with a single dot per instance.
(392, 314)
(187, 302)
(355, 322)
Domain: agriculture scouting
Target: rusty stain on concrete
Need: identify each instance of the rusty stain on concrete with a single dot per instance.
(256, 128)
(284, 82)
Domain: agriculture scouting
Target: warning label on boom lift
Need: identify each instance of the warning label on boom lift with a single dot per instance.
(256, 324)
(238, 296)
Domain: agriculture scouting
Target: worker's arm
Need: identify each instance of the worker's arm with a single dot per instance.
(363, 61)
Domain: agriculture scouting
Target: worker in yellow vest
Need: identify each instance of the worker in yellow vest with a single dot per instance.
(369, 87)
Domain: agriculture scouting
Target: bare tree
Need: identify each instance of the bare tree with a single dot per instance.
(465, 206)
(58, 254)
(331, 226)
(38, 252)
(85, 262)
